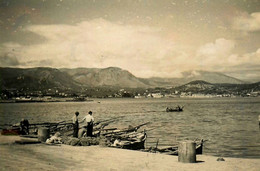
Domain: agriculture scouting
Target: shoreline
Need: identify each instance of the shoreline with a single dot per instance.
(45, 101)
(97, 99)
(65, 157)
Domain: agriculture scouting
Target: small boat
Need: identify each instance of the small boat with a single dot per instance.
(11, 131)
(27, 100)
(176, 109)
(174, 150)
(136, 143)
(78, 99)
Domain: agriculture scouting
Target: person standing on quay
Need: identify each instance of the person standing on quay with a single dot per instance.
(75, 124)
(89, 119)
(24, 126)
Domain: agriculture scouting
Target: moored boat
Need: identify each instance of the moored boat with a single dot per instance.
(175, 109)
(78, 99)
(27, 100)
(11, 131)
(174, 150)
(137, 142)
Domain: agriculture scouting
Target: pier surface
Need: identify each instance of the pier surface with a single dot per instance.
(64, 157)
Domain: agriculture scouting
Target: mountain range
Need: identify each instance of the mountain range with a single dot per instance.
(114, 76)
(200, 86)
(64, 78)
(36, 79)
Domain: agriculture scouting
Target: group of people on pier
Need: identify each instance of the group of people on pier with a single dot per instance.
(88, 122)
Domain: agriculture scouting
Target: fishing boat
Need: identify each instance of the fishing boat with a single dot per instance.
(174, 150)
(78, 99)
(175, 109)
(27, 100)
(11, 131)
(135, 145)
(134, 142)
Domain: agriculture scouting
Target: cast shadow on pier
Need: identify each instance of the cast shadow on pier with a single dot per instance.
(199, 161)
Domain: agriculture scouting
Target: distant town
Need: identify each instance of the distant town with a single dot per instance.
(56, 95)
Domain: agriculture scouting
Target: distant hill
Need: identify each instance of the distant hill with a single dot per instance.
(112, 76)
(78, 78)
(196, 86)
(204, 87)
(211, 77)
(188, 76)
(36, 79)
(241, 87)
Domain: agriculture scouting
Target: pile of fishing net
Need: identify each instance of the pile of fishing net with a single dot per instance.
(85, 141)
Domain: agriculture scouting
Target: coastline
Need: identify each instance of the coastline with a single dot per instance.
(45, 101)
(120, 98)
(64, 157)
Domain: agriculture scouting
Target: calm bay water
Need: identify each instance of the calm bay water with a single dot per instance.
(229, 124)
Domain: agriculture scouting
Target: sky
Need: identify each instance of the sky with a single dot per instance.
(149, 38)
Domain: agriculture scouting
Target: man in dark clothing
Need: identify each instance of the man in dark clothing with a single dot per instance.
(24, 127)
(75, 125)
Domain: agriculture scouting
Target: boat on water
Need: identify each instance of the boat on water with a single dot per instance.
(78, 99)
(27, 100)
(175, 109)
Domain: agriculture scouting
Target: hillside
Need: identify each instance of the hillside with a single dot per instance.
(204, 87)
(36, 79)
(111, 76)
(196, 86)
(211, 77)
(74, 79)
(241, 87)
(188, 76)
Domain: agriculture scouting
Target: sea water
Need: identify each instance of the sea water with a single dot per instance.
(230, 125)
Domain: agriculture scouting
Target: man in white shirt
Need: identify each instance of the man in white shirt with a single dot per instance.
(89, 122)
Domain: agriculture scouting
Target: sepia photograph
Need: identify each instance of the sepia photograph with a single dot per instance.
(129, 85)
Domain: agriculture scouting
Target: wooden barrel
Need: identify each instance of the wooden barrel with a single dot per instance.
(43, 134)
(187, 152)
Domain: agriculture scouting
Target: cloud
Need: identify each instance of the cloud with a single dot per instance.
(215, 53)
(8, 60)
(245, 71)
(219, 47)
(249, 58)
(144, 51)
(100, 43)
(219, 56)
(8, 56)
(248, 23)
